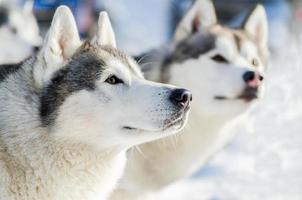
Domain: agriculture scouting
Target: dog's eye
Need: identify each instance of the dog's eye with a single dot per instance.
(113, 80)
(255, 62)
(219, 58)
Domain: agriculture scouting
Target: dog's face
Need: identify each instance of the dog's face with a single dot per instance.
(223, 67)
(99, 97)
(19, 32)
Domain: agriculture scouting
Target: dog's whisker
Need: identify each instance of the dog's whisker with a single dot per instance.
(148, 63)
(139, 150)
(143, 57)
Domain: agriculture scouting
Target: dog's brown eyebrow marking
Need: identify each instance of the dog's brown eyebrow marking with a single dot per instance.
(237, 40)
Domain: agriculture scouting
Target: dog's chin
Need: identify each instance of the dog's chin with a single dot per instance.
(249, 95)
(172, 125)
(244, 98)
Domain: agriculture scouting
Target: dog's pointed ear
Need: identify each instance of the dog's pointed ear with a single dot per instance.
(28, 6)
(61, 43)
(201, 15)
(105, 34)
(63, 37)
(257, 26)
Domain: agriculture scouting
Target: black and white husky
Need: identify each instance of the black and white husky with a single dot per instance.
(69, 113)
(19, 32)
(223, 68)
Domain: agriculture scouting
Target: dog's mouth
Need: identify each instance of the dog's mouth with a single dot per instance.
(177, 121)
(249, 94)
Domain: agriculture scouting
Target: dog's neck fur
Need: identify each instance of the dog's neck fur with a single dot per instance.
(185, 153)
(39, 166)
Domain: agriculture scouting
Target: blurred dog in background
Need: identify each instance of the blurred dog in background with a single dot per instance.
(19, 32)
(223, 67)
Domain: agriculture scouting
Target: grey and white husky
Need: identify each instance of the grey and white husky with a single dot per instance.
(19, 32)
(69, 113)
(223, 67)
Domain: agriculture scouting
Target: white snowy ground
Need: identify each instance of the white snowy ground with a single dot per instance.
(265, 160)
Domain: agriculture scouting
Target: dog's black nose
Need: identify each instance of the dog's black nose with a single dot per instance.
(181, 97)
(252, 78)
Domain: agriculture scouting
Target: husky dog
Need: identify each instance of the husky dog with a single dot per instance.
(19, 32)
(223, 68)
(69, 113)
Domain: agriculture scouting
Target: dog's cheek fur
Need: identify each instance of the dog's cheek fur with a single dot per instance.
(80, 74)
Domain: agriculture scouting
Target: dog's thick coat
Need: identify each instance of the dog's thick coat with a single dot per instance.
(69, 113)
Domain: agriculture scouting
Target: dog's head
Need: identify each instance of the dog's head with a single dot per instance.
(95, 94)
(223, 67)
(19, 32)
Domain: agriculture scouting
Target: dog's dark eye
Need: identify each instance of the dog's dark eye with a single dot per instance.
(113, 80)
(255, 62)
(219, 58)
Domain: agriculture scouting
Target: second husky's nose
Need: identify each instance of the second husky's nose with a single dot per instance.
(181, 97)
(252, 79)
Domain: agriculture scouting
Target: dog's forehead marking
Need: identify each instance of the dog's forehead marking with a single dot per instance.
(193, 47)
(108, 53)
(244, 43)
(235, 35)
(189, 48)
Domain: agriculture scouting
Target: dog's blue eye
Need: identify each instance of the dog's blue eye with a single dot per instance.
(219, 58)
(113, 80)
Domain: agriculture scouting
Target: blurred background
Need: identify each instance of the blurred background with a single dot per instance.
(265, 160)
(156, 20)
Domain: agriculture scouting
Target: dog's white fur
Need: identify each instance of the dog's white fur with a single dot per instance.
(82, 155)
(162, 162)
(15, 46)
